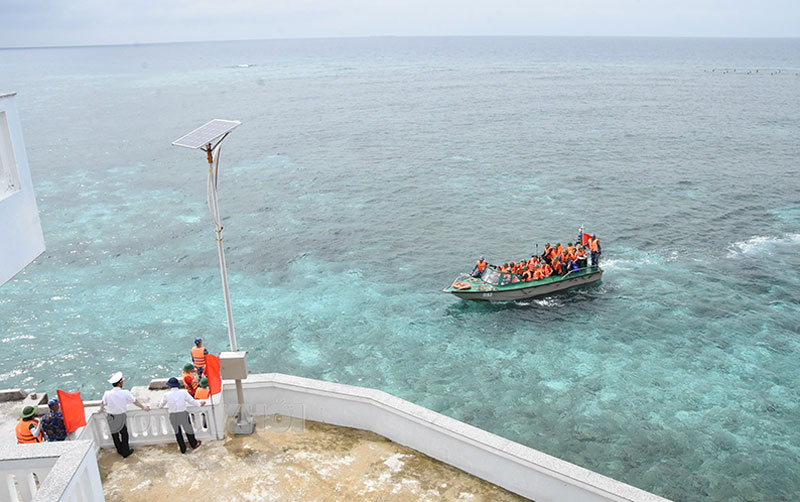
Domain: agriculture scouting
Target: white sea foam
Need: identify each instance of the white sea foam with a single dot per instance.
(762, 245)
(635, 261)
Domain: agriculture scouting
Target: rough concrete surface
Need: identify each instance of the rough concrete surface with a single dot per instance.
(322, 462)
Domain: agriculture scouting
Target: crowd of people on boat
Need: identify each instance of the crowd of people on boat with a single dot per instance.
(555, 260)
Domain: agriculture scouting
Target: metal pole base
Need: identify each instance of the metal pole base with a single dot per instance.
(244, 423)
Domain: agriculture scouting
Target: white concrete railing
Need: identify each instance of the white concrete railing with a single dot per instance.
(51, 471)
(515, 467)
(153, 427)
(64, 474)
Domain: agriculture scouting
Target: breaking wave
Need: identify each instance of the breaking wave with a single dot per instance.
(762, 245)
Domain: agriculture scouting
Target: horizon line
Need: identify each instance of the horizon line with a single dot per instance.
(130, 44)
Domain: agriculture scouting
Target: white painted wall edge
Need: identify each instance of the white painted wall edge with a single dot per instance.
(513, 466)
(69, 459)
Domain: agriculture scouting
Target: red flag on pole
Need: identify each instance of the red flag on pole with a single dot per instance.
(585, 238)
(212, 373)
(72, 410)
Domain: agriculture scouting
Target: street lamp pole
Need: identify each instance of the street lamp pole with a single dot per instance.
(213, 206)
(208, 138)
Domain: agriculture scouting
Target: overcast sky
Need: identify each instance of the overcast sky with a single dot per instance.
(88, 22)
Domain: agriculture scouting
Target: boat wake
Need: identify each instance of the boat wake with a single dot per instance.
(635, 259)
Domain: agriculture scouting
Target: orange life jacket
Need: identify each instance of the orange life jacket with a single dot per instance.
(202, 393)
(481, 265)
(560, 251)
(546, 270)
(581, 254)
(572, 255)
(593, 245)
(570, 249)
(191, 387)
(557, 266)
(24, 434)
(199, 357)
(538, 274)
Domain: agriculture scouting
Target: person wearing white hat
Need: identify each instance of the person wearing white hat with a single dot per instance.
(117, 400)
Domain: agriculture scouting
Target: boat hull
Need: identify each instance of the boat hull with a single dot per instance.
(528, 291)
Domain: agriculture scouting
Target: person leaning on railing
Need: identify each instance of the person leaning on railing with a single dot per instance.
(177, 400)
(117, 400)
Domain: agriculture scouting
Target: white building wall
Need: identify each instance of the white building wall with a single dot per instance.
(21, 238)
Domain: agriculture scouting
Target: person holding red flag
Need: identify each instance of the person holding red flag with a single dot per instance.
(202, 392)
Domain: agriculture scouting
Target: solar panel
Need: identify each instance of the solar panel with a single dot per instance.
(207, 133)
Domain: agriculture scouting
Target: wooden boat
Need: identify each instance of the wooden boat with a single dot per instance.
(494, 285)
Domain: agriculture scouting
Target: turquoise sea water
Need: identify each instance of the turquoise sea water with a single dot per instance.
(368, 173)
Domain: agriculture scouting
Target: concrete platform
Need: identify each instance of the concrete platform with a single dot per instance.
(321, 463)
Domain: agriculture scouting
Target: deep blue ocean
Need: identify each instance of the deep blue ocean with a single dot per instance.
(368, 173)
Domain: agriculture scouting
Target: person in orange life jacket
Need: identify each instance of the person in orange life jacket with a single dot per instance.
(176, 400)
(547, 251)
(28, 429)
(581, 256)
(203, 392)
(594, 248)
(559, 249)
(572, 252)
(571, 257)
(189, 378)
(546, 269)
(479, 267)
(199, 356)
(557, 266)
(117, 400)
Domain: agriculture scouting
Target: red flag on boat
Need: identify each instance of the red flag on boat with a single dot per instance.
(585, 238)
(212, 373)
(72, 410)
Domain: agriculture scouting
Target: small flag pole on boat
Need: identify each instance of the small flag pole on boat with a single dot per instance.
(208, 138)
